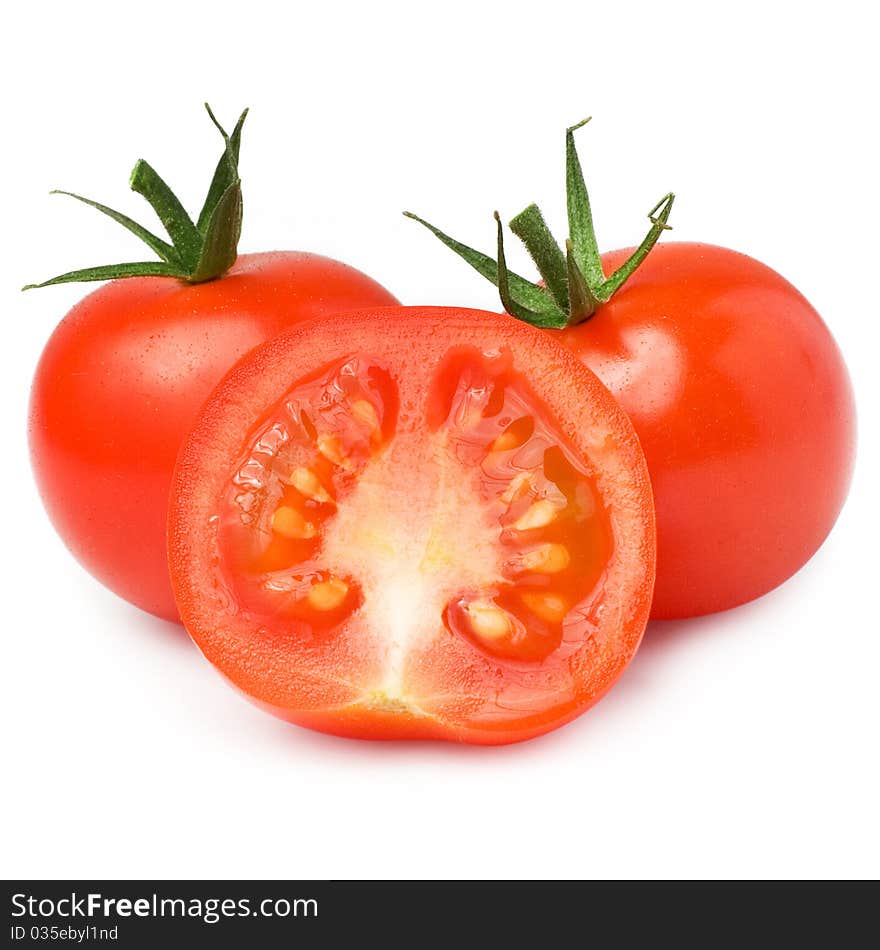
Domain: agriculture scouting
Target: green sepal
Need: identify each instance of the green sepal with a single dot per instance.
(583, 302)
(630, 265)
(183, 233)
(112, 271)
(581, 230)
(513, 306)
(221, 215)
(220, 243)
(226, 172)
(529, 226)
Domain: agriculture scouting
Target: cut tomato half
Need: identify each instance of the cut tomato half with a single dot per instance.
(414, 523)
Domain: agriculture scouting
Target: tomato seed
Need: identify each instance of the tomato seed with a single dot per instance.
(546, 559)
(488, 621)
(518, 486)
(548, 606)
(307, 483)
(329, 447)
(289, 523)
(328, 595)
(365, 412)
(538, 515)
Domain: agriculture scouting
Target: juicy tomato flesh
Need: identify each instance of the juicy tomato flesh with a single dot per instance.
(414, 556)
(488, 528)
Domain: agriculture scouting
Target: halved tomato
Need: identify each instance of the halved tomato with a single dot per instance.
(414, 523)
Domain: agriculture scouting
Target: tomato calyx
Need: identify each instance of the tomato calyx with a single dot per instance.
(573, 284)
(199, 250)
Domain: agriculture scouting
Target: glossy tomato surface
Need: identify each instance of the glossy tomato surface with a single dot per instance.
(745, 412)
(414, 523)
(120, 382)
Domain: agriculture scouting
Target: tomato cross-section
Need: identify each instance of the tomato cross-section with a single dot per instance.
(414, 522)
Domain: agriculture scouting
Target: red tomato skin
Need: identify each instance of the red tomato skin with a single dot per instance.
(744, 408)
(121, 381)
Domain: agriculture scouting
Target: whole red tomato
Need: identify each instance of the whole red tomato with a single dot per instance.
(123, 376)
(734, 384)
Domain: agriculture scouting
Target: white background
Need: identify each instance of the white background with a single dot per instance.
(743, 744)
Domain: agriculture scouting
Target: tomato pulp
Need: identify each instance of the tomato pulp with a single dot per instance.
(744, 409)
(119, 385)
(414, 522)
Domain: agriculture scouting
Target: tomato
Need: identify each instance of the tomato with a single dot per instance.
(744, 409)
(122, 377)
(414, 523)
(119, 385)
(734, 384)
